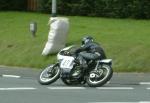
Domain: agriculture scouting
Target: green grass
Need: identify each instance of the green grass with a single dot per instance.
(126, 41)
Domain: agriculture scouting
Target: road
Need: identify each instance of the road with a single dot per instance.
(21, 86)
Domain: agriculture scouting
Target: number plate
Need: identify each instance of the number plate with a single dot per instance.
(67, 62)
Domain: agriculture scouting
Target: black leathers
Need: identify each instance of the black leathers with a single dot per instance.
(91, 51)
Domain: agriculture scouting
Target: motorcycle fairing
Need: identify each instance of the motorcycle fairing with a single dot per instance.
(67, 62)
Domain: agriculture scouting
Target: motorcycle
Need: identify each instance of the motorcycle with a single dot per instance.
(69, 70)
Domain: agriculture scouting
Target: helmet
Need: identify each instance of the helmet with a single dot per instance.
(87, 39)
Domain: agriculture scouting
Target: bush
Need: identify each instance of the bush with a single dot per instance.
(141, 9)
(13, 5)
(104, 8)
(44, 6)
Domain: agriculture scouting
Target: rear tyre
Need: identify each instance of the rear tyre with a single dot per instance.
(100, 76)
(49, 75)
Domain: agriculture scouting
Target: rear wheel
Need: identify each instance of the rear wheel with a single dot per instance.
(100, 76)
(49, 75)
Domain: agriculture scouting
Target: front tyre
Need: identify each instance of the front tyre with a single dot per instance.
(100, 76)
(49, 75)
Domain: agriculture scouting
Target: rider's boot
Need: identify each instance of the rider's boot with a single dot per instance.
(83, 64)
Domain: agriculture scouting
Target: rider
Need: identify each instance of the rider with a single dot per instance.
(89, 50)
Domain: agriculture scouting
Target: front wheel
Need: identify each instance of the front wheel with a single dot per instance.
(100, 76)
(49, 75)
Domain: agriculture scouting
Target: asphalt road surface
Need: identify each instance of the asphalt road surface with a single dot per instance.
(21, 86)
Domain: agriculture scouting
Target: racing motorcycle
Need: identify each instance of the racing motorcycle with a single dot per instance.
(69, 70)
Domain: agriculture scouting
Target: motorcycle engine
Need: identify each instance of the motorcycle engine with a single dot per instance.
(76, 72)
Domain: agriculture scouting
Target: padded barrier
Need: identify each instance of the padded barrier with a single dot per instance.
(59, 27)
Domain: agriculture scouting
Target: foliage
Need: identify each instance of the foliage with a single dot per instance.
(13, 4)
(99, 8)
(103, 8)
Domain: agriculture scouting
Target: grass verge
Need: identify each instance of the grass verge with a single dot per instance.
(126, 41)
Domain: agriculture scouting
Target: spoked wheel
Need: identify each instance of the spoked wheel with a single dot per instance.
(49, 75)
(100, 76)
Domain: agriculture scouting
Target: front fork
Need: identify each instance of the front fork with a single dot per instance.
(96, 67)
(97, 73)
(51, 70)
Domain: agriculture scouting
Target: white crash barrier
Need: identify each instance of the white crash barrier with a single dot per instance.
(59, 27)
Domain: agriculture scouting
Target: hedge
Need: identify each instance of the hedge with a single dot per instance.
(13, 5)
(100, 8)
